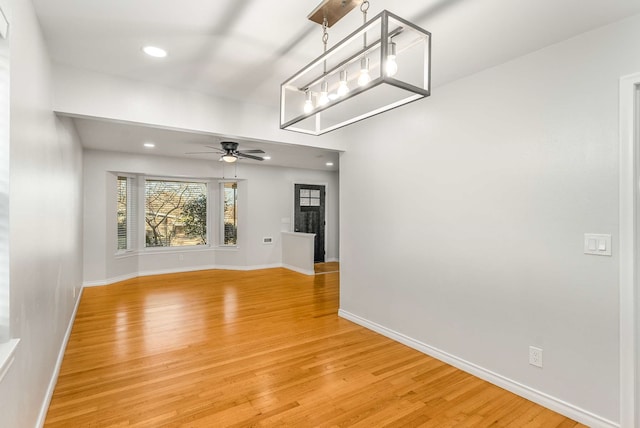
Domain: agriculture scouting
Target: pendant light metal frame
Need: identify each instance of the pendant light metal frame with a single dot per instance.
(297, 87)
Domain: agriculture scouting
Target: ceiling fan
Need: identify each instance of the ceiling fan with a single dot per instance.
(230, 152)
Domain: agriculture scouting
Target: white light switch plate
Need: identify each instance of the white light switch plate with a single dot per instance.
(597, 244)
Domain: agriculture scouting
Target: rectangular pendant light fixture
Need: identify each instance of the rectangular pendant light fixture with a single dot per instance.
(381, 65)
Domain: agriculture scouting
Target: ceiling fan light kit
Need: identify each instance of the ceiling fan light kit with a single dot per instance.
(229, 158)
(382, 65)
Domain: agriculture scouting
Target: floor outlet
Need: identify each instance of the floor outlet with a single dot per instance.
(535, 356)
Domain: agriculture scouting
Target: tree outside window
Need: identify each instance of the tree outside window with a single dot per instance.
(230, 213)
(195, 218)
(122, 213)
(175, 213)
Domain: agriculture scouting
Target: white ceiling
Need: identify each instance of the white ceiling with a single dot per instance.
(244, 49)
(130, 138)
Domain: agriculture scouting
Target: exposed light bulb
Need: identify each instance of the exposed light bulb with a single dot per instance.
(364, 78)
(308, 104)
(391, 66)
(323, 100)
(343, 88)
(324, 94)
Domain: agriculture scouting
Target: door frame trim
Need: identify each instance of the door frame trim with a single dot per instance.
(628, 247)
(327, 219)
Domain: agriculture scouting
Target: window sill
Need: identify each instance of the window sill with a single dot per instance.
(160, 250)
(227, 248)
(172, 250)
(7, 352)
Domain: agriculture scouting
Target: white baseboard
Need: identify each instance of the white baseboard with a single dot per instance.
(517, 388)
(245, 268)
(109, 280)
(299, 270)
(176, 270)
(56, 370)
(333, 260)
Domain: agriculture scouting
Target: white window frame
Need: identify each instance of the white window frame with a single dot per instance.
(220, 210)
(132, 220)
(629, 156)
(7, 344)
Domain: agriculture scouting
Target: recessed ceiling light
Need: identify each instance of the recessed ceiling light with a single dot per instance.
(329, 164)
(266, 157)
(149, 145)
(154, 51)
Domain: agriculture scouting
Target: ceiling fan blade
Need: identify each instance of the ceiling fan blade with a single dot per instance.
(243, 156)
(200, 153)
(215, 148)
(251, 151)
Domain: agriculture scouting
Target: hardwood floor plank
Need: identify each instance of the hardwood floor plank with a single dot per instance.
(260, 348)
(327, 267)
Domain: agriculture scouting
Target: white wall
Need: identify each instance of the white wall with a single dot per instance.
(476, 243)
(298, 251)
(84, 93)
(4, 181)
(46, 224)
(265, 198)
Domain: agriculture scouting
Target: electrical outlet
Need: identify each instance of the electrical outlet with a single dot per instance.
(535, 356)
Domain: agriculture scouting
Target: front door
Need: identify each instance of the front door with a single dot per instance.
(309, 215)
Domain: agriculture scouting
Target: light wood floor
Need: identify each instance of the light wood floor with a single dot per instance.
(260, 348)
(326, 267)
